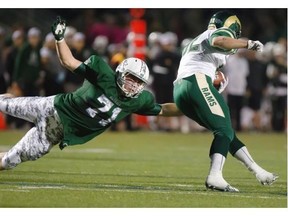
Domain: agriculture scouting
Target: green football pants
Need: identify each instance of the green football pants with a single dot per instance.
(197, 98)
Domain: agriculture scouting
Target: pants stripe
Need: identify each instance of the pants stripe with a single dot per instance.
(207, 94)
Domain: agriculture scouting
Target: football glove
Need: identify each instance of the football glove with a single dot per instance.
(223, 83)
(58, 28)
(255, 45)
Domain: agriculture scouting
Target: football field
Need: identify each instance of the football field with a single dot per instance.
(143, 169)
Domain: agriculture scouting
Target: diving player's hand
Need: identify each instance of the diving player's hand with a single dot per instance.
(255, 45)
(58, 29)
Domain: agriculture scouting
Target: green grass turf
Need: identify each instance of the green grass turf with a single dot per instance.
(143, 169)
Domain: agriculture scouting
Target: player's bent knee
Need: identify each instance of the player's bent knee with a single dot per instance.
(226, 132)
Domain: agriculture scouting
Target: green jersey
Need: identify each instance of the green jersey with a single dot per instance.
(91, 109)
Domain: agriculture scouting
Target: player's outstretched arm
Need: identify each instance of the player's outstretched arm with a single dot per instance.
(170, 109)
(231, 43)
(64, 53)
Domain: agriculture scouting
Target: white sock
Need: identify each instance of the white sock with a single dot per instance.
(256, 169)
(243, 155)
(217, 163)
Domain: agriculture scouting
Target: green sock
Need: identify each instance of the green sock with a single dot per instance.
(220, 145)
(235, 145)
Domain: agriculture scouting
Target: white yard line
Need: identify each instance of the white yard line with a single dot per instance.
(113, 188)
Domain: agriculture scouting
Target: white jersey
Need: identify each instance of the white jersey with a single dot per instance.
(199, 56)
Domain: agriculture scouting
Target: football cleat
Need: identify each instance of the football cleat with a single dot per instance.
(228, 188)
(266, 178)
(263, 176)
(218, 183)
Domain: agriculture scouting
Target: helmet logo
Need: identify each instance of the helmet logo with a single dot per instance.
(226, 19)
(231, 20)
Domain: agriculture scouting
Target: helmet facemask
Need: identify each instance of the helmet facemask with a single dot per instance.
(132, 76)
(236, 28)
(130, 84)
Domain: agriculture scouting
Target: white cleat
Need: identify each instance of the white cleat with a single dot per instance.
(218, 183)
(266, 178)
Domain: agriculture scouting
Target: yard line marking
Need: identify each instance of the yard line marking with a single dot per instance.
(113, 188)
(184, 185)
(14, 190)
(178, 192)
(42, 187)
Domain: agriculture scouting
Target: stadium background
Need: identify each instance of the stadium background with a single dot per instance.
(263, 24)
(266, 25)
(143, 168)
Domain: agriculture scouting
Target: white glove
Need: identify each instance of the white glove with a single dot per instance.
(223, 83)
(255, 45)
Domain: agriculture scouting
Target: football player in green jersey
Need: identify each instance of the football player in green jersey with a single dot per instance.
(74, 118)
(197, 98)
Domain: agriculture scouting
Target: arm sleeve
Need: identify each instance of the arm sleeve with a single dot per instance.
(149, 108)
(152, 111)
(86, 72)
(92, 68)
(224, 32)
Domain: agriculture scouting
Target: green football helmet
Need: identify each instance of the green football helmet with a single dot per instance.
(226, 19)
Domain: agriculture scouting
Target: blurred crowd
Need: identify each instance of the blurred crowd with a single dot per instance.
(256, 94)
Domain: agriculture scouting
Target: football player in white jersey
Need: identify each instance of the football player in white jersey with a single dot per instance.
(196, 96)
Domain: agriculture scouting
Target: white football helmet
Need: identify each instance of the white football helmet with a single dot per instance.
(132, 76)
